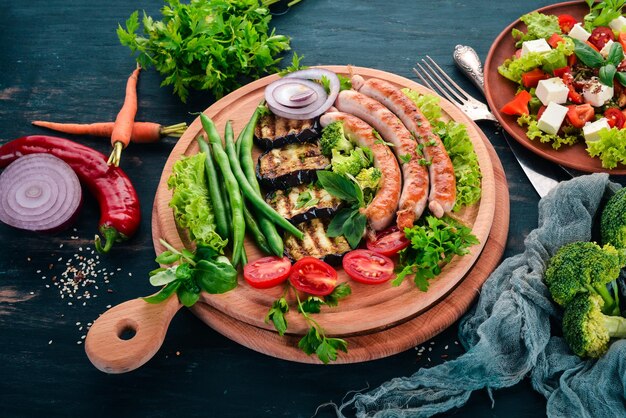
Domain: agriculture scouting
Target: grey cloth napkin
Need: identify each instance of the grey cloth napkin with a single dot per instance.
(508, 334)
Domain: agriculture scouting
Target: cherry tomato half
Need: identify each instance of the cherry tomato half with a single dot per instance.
(267, 272)
(600, 36)
(313, 276)
(365, 266)
(566, 23)
(388, 242)
(615, 117)
(578, 115)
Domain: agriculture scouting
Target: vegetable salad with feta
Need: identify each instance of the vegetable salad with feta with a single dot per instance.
(572, 80)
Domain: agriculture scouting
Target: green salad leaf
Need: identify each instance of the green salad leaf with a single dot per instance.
(533, 132)
(601, 13)
(513, 68)
(539, 26)
(191, 203)
(610, 148)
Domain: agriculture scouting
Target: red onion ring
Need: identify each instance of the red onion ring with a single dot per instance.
(39, 192)
(283, 104)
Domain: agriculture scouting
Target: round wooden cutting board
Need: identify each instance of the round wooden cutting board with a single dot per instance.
(370, 308)
(396, 339)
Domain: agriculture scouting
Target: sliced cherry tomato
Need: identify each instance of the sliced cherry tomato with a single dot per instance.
(578, 115)
(313, 276)
(365, 266)
(540, 111)
(622, 40)
(555, 39)
(532, 78)
(566, 22)
(267, 272)
(600, 36)
(559, 72)
(388, 242)
(615, 117)
(573, 96)
(519, 104)
(592, 46)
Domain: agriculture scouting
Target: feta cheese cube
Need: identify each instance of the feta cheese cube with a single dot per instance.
(619, 24)
(607, 47)
(537, 45)
(552, 90)
(596, 93)
(591, 129)
(578, 32)
(552, 118)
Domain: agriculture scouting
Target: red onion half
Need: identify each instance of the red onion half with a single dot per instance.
(295, 96)
(39, 192)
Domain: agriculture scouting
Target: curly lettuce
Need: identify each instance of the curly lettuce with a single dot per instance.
(191, 204)
(513, 68)
(610, 148)
(539, 26)
(457, 141)
(533, 133)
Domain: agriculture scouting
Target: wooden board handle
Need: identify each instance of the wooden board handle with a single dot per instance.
(129, 334)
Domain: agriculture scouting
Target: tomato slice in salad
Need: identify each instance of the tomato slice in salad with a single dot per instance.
(573, 96)
(555, 39)
(313, 276)
(566, 22)
(532, 78)
(368, 267)
(600, 36)
(267, 272)
(615, 117)
(388, 242)
(578, 115)
(519, 104)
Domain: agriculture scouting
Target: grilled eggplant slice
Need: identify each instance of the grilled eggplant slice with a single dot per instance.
(294, 164)
(316, 243)
(303, 203)
(274, 131)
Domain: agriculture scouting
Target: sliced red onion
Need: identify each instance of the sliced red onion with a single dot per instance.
(39, 192)
(282, 101)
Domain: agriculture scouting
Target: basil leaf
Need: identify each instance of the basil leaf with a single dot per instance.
(164, 293)
(167, 257)
(335, 227)
(616, 54)
(187, 297)
(205, 253)
(183, 271)
(215, 276)
(606, 74)
(621, 77)
(164, 277)
(338, 186)
(587, 54)
(354, 227)
(155, 271)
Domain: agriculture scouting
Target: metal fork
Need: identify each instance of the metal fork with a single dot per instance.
(434, 77)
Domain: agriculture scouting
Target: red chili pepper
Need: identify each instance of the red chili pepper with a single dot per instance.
(119, 205)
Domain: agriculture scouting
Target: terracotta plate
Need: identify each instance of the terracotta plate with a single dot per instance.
(370, 308)
(499, 91)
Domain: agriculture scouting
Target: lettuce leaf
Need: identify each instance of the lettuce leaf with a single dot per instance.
(533, 133)
(610, 148)
(539, 26)
(513, 68)
(191, 203)
(459, 146)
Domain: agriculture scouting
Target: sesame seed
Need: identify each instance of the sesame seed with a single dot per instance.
(49, 342)
(79, 342)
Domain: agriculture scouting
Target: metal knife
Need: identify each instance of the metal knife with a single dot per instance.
(542, 175)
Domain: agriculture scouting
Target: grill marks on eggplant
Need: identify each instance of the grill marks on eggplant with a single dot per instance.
(291, 203)
(274, 131)
(316, 243)
(294, 164)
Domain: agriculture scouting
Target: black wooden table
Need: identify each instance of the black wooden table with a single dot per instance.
(61, 60)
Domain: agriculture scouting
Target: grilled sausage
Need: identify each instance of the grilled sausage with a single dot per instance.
(442, 181)
(382, 208)
(415, 175)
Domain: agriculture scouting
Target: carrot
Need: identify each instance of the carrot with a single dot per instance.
(123, 127)
(143, 132)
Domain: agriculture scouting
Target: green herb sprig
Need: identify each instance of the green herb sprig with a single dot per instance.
(602, 13)
(433, 243)
(202, 270)
(607, 67)
(314, 341)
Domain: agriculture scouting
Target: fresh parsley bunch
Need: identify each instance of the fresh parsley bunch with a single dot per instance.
(210, 45)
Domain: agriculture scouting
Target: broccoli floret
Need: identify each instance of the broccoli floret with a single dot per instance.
(582, 267)
(368, 178)
(586, 329)
(613, 220)
(351, 163)
(334, 138)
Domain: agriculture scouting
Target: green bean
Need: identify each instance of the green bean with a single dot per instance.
(253, 227)
(274, 239)
(217, 201)
(232, 187)
(244, 256)
(249, 192)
